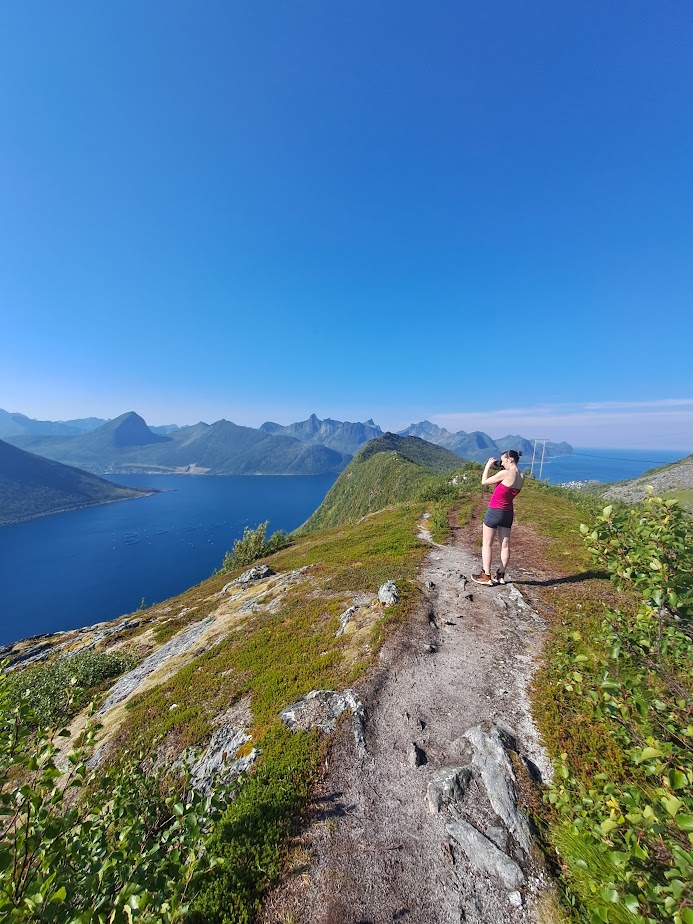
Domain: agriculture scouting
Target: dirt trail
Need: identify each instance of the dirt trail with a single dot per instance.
(374, 851)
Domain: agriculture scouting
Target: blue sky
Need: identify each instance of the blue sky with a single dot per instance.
(480, 214)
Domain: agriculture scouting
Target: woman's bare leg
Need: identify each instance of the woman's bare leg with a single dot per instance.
(488, 535)
(504, 539)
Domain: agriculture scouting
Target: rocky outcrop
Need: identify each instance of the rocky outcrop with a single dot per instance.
(322, 708)
(495, 835)
(134, 678)
(218, 765)
(345, 619)
(388, 593)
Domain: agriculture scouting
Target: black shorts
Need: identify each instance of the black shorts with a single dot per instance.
(497, 517)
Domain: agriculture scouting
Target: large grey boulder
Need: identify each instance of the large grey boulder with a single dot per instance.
(491, 761)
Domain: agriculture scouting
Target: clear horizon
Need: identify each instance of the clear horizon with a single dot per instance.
(479, 215)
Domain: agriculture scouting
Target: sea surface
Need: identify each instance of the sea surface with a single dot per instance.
(74, 569)
(601, 464)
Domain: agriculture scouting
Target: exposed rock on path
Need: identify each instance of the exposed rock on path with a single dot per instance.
(423, 826)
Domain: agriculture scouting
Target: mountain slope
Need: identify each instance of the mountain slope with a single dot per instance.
(31, 486)
(675, 480)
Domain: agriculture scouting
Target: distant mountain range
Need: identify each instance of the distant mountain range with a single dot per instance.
(31, 486)
(341, 435)
(312, 446)
(479, 446)
(127, 444)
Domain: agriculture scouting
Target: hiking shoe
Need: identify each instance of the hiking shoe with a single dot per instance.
(483, 578)
(500, 577)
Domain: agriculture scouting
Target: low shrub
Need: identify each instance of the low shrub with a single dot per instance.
(125, 848)
(624, 820)
(57, 691)
(254, 545)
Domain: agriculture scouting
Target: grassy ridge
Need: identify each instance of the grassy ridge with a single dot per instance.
(388, 470)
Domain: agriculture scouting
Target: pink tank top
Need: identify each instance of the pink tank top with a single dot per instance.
(502, 498)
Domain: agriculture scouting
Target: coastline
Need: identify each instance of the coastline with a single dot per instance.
(51, 513)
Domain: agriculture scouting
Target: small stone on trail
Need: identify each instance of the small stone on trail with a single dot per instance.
(417, 756)
(469, 597)
(422, 724)
(430, 585)
(431, 649)
(515, 899)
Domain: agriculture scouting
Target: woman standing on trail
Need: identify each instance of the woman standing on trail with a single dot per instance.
(499, 516)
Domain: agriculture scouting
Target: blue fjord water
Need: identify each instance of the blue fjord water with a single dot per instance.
(74, 569)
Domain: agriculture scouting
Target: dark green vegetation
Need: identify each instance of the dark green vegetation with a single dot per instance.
(127, 444)
(388, 470)
(31, 486)
(56, 692)
(614, 706)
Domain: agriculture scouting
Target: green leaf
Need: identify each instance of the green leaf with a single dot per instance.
(58, 897)
(649, 753)
(677, 779)
(631, 903)
(672, 805)
(685, 822)
(607, 825)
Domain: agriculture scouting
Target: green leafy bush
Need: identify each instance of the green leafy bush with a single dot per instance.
(128, 847)
(55, 692)
(252, 546)
(625, 828)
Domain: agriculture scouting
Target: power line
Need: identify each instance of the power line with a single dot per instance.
(586, 455)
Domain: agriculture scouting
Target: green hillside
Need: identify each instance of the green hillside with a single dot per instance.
(388, 470)
(31, 486)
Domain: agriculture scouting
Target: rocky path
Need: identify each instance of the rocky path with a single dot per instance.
(420, 825)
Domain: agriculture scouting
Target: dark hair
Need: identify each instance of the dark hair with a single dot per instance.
(512, 454)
